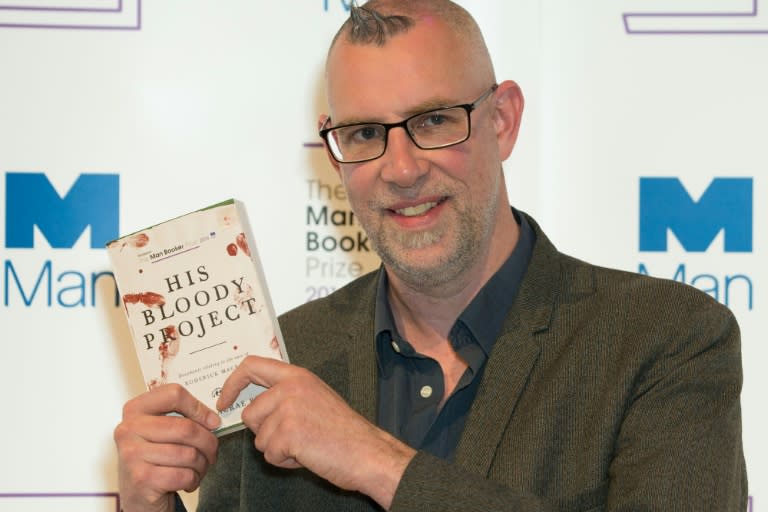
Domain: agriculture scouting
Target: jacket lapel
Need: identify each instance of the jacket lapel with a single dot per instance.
(513, 357)
(363, 374)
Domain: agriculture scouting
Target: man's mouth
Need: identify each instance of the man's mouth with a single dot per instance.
(419, 209)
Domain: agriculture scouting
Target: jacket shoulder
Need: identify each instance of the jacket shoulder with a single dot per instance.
(340, 302)
(637, 293)
(321, 329)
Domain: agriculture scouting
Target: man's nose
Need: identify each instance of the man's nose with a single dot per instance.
(401, 165)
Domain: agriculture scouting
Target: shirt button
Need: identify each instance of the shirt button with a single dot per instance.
(426, 391)
(395, 347)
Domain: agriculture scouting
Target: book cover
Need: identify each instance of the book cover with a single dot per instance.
(197, 303)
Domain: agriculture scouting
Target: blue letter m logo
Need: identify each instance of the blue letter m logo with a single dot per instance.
(31, 200)
(725, 205)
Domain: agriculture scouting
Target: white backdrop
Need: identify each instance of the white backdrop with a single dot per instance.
(158, 108)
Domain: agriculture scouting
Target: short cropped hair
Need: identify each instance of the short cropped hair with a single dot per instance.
(375, 22)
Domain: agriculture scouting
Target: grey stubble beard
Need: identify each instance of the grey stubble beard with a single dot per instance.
(473, 231)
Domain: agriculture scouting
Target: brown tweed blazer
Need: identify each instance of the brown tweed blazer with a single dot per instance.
(606, 391)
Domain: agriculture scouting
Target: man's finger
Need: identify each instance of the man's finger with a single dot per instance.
(172, 398)
(179, 456)
(263, 371)
(175, 431)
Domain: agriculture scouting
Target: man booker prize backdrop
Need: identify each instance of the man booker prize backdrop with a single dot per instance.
(642, 147)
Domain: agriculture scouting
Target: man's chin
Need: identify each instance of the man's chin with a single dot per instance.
(427, 267)
(418, 241)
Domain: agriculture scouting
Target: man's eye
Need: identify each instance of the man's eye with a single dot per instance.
(438, 119)
(435, 119)
(362, 134)
(367, 133)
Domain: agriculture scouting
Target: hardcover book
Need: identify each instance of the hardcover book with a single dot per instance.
(197, 303)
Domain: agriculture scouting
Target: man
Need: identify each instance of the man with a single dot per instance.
(480, 369)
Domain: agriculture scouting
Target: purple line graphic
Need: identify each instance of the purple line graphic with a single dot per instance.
(737, 22)
(50, 499)
(71, 14)
(46, 6)
(749, 505)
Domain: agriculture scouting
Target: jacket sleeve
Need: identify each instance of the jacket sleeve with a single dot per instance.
(680, 446)
(430, 483)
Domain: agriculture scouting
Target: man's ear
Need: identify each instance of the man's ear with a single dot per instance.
(320, 124)
(508, 111)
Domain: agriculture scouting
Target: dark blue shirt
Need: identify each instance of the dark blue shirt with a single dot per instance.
(411, 385)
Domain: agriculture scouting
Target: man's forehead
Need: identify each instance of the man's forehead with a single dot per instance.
(370, 93)
(406, 78)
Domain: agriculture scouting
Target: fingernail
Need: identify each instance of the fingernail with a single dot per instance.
(212, 420)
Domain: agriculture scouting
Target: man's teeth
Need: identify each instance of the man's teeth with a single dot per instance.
(412, 211)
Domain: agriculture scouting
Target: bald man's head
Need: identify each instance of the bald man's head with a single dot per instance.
(377, 21)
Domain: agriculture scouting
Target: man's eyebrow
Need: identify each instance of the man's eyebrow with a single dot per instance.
(426, 106)
(353, 120)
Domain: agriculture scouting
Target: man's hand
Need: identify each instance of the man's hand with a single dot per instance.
(159, 454)
(299, 421)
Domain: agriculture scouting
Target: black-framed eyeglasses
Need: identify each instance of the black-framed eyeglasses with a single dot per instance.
(434, 129)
